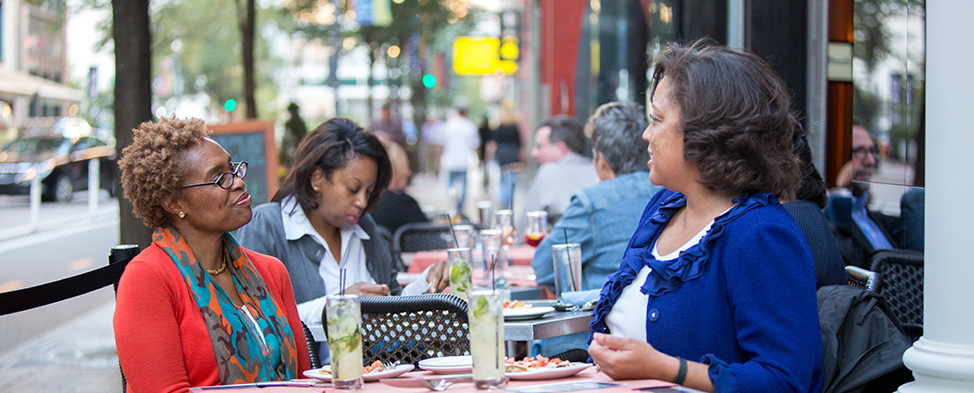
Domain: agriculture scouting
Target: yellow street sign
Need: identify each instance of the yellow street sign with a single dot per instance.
(482, 56)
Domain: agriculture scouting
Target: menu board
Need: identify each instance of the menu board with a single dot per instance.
(252, 141)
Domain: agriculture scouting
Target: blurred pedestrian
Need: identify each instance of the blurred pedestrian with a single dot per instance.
(506, 148)
(387, 127)
(484, 132)
(460, 141)
(294, 131)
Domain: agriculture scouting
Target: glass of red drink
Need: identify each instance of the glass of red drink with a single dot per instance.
(536, 227)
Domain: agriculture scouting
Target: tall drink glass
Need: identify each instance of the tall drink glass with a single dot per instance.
(491, 252)
(344, 315)
(485, 211)
(486, 321)
(461, 277)
(568, 268)
(504, 221)
(465, 237)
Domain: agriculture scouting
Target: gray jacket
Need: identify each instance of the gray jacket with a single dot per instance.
(302, 257)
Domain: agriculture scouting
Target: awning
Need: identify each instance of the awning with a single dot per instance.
(24, 84)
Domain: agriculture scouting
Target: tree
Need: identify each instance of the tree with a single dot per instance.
(133, 95)
(246, 19)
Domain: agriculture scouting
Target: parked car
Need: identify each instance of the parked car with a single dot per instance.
(60, 162)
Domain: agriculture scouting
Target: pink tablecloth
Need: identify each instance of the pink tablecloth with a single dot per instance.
(588, 375)
(520, 255)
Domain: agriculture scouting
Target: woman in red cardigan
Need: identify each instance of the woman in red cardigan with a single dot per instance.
(194, 308)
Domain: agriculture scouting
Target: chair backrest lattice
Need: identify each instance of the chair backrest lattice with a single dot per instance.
(902, 273)
(420, 237)
(412, 328)
(865, 279)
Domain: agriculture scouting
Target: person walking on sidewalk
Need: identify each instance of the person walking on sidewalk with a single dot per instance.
(460, 141)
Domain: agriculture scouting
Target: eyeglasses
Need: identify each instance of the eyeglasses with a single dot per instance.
(860, 152)
(225, 180)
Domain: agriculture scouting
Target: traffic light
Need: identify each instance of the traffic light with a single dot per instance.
(230, 105)
(429, 81)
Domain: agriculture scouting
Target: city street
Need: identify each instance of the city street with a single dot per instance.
(71, 339)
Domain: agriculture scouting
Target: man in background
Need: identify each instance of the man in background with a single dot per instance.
(387, 128)
(858, 231)
(559, 147)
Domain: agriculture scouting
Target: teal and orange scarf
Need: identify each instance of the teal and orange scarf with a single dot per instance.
(244, 339)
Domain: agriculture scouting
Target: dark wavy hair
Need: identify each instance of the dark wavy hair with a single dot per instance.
(328, 147)
(738, 125)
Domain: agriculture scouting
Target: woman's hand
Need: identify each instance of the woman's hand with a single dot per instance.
(623, 357)
(438, 276)
(363, 288)
(628, 358)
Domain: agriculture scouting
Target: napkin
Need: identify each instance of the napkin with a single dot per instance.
(579, 298)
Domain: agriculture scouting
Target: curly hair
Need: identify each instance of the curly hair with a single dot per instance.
(328, 147)
(151, 169)
(738, 125)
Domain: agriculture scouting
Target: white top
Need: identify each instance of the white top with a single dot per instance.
(632, 303)
(459, 137)
(353, 259)
(555, 182)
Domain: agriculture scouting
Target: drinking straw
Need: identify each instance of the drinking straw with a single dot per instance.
(341, 280)
(493, 280)
(452, 232)
(571, 272)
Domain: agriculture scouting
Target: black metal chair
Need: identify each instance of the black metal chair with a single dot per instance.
(312, 347)
(865, 279)
(422, 236)
(902, 273)
(413, 328)
(66, 288)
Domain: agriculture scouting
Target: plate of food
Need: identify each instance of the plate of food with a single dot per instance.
(540, 367)
(526, 312)
(370, 373)
(447, 364)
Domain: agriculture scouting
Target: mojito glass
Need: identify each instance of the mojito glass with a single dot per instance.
(461, 276)
(345, 340)
(486, 321)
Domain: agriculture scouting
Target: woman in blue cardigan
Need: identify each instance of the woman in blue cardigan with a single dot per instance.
(717, 270)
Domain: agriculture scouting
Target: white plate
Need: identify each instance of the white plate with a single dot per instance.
(521, 313)
(549, 373)
(447, 364)
(324, 373)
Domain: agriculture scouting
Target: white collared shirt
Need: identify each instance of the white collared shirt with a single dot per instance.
(353, 257)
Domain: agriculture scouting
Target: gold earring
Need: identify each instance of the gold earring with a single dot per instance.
(182, 215)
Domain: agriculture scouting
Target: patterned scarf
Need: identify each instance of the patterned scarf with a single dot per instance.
(244, 339)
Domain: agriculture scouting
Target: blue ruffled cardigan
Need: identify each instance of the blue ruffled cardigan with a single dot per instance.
(742, 300)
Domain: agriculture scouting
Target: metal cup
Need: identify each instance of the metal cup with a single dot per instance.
(568, 267)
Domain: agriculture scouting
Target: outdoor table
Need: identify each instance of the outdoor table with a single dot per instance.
(553, 324)
(587, 375)
(520, 255)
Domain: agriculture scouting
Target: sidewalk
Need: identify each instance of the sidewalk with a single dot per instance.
(76, 357)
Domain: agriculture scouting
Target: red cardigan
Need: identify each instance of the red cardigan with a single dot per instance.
(162, 341)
